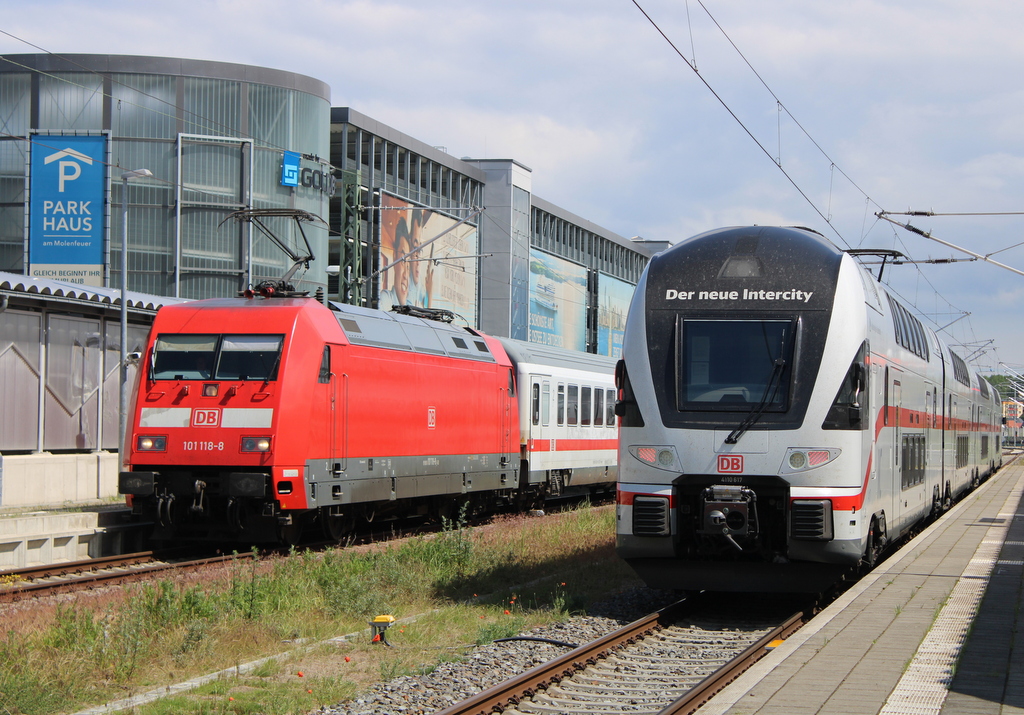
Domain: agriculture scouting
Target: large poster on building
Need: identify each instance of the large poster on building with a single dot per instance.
(613, 297)
(66, 208)
(426, 260)
(558, 302)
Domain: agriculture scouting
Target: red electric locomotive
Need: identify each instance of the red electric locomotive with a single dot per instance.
(255, 417)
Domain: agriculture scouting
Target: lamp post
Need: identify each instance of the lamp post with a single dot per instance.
(123, 407)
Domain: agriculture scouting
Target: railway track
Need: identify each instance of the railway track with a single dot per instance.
(31, 582)
(667, 663)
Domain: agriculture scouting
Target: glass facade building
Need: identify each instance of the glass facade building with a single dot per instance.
(529, 253)
(214, 136)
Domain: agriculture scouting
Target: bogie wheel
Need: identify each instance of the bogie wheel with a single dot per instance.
(337, 526)
(290, 534)
(873, 548)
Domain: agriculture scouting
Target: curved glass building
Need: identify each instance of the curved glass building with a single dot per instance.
(216, 137)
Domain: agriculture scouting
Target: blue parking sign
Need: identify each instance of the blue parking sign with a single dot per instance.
(66, 208)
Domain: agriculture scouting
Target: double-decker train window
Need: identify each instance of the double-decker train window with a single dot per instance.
(734, 365)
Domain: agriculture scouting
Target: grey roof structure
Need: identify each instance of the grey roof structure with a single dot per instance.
(14, 284)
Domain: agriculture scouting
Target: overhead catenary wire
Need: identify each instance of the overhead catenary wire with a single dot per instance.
(833, 167)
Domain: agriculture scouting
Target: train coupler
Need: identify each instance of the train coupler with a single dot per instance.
(379, 626)
(729, 511)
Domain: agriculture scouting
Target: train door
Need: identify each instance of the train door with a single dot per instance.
(505, 397)
(539, 435)
(895, 409)
(332, 393)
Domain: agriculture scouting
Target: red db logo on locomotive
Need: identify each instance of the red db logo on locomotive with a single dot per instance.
(205, 418)
(730, 463)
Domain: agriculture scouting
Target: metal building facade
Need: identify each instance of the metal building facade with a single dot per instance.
(213, 134)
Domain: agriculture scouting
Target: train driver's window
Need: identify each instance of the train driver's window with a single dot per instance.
(324, 376)
(561, 405)
(249, 357)
(573, 406)
(545, 404)
(184, 357)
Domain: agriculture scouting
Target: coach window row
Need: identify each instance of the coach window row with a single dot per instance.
(581, 405)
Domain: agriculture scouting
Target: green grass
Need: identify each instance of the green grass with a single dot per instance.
(467, 587)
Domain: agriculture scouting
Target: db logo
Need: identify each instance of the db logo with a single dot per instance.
(205, 418)
(730, 463)
(431, 417)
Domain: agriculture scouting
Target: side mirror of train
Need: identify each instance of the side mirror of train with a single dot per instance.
(133, 358)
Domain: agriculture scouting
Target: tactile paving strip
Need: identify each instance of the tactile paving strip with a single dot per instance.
(923, 688)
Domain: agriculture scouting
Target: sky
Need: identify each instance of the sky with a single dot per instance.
(791, 112)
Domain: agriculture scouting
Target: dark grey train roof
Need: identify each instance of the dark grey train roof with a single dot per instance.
(375, 328)
(14, 284)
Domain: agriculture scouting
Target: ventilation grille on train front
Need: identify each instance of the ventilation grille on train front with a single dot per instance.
(650, 516)
(811, 520)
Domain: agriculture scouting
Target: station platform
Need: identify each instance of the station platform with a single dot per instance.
(49, 535)
(938, 628)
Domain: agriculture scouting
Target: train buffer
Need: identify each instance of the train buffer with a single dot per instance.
(379, 626)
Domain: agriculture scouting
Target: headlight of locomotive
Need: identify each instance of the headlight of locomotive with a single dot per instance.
(255, 444)
(799, 459)
(663, 457)
(145, 443)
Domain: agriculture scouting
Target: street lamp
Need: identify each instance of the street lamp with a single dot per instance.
(123, 407)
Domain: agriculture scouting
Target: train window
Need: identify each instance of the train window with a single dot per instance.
(585, 415)
(849, 408)
(184, 357)
(598, 407)
(734, 365)
(609, 417)
(249, 357)
(325, 366)
(535, 403)
(561, 405)
(545, 404)
(572, 406)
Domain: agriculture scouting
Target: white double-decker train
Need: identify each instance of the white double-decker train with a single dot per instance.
(783, 416)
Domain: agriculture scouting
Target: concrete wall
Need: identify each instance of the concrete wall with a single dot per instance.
(50, 480)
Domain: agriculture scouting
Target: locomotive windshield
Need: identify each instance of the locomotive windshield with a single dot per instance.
(734, 365)
(216, 357)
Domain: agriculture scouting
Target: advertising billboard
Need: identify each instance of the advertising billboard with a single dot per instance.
(558, 302)
(66, 208)
(425, 262)
(613, 297)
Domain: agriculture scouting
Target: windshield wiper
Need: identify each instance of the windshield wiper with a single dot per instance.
(755, 414)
